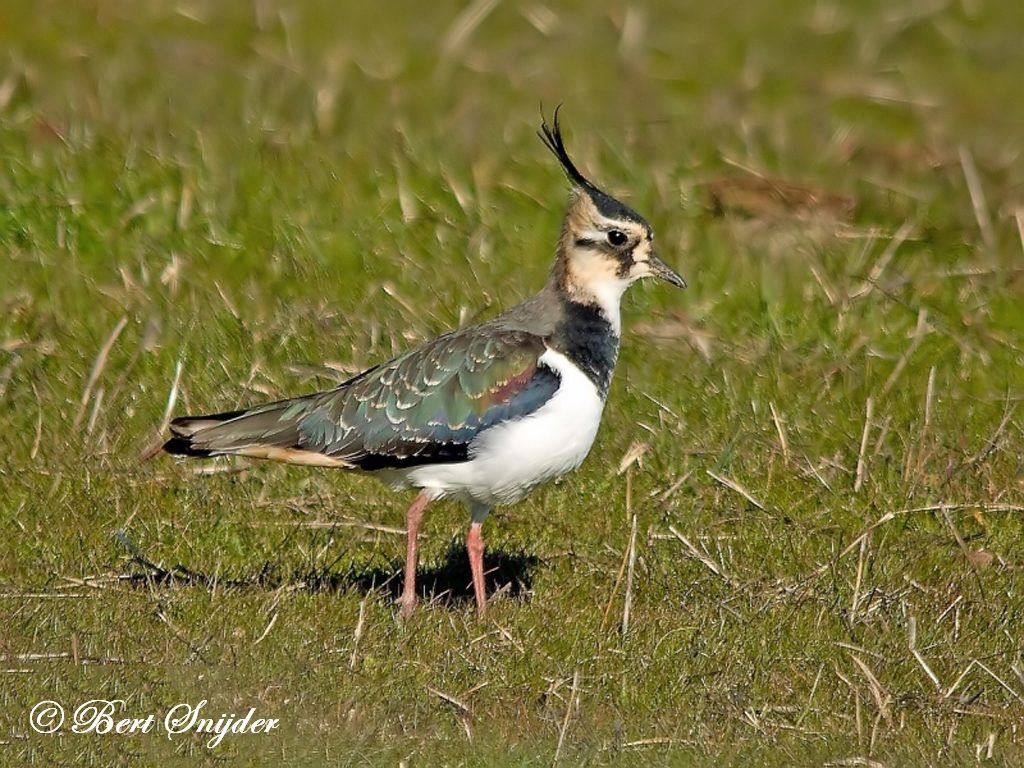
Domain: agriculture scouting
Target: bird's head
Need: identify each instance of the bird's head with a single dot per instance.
(605, 245)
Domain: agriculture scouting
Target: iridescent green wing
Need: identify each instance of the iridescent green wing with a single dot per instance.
(428, 405)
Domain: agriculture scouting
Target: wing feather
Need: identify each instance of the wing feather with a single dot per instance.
(428, 405)
(423, 407)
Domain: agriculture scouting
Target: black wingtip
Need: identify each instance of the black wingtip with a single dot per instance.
(551, 135)
(182, 446)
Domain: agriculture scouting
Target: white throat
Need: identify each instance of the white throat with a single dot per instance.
(608, 294)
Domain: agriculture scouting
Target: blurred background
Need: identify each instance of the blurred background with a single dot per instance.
(208, 204)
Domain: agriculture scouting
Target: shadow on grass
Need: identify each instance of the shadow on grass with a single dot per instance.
(448, 583)
(509, 574)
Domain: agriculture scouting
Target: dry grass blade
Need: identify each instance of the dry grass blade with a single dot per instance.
(634, 455)
(993, 442)
(1018, 214)
(654, 741)
(912, 645)
(977, 193)
(862, 454)
(858, 540)
(456, 702)
(177, 632)
(634, 30)
(780, 428)
(734, 486)
(855, 762)
(953, 506)
(676, 485)
(929, 398)
(172, 398)
(901, 235)
(1006, 686)
(37, 441)
(406, 199)
(94, 414)
(270, 626)
(628, 602)
(710, 564)
(358, 634)
(615, 589)
(568, 714)
(960, 678)
(328, 524)
(892, 515)
(97, 368)
(859, 578)
(464, 25)
(920, 332)
(968, 555)
(882, 697)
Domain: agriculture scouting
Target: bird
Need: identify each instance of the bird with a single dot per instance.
(483, 414)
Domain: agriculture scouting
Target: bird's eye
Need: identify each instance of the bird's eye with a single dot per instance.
(617, 238)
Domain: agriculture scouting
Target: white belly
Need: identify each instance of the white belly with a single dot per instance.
(510, 460)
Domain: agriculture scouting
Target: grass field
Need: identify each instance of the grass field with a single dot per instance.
(205, 205)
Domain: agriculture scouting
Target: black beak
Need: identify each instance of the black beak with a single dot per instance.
(662, 270)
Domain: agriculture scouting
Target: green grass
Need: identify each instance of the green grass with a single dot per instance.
(269, 192)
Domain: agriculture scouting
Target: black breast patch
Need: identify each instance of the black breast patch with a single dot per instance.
(587, 338)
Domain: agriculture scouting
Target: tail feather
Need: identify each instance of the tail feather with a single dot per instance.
(189, 425)
(182, 446)
(237, 432)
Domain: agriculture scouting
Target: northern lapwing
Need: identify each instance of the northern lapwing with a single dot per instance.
(483, 414)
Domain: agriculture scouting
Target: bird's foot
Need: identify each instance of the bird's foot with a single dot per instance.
(406, 606)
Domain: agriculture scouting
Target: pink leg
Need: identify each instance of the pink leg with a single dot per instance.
(475, 547)
(412, 529)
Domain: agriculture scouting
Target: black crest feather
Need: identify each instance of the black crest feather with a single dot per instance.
(551, 135)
